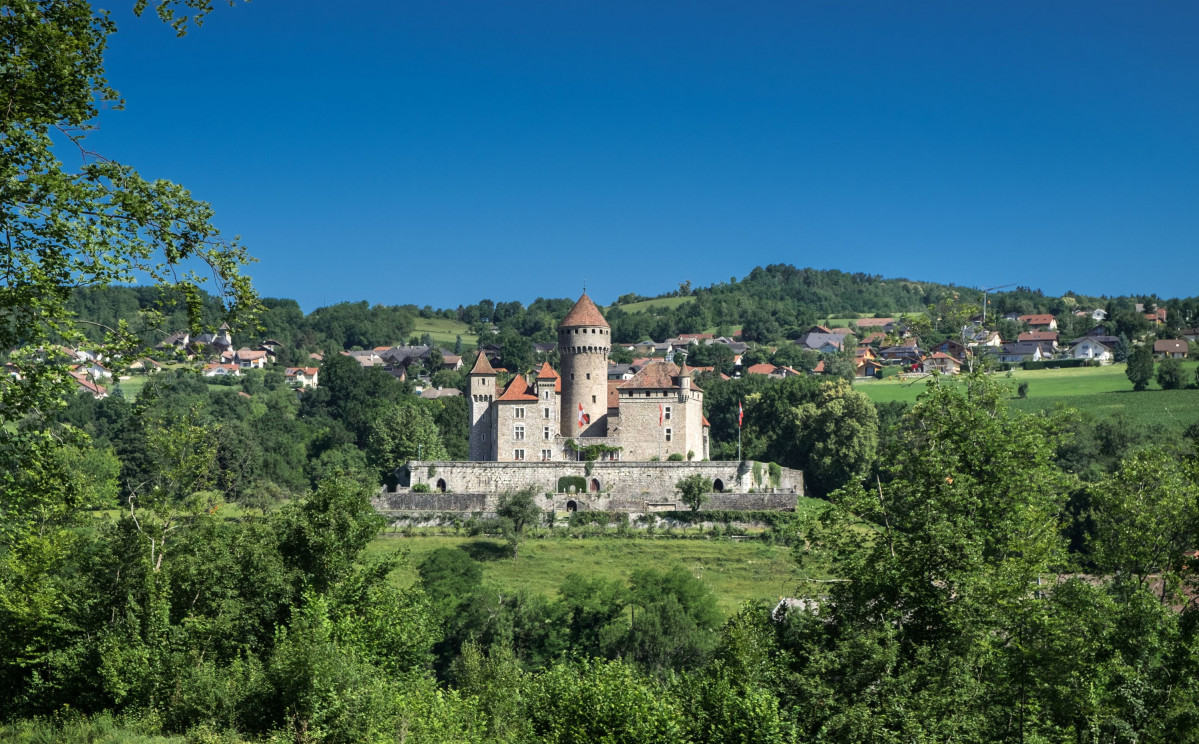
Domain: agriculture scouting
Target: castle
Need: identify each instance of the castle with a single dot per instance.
(582, 441)
(656, 414)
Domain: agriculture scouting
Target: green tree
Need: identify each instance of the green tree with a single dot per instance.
(518, 511)
(694, 489)
(401, 432)
(92, 226)
(1140, 367)
(838, 436)
(938, 594)
(1169, 374)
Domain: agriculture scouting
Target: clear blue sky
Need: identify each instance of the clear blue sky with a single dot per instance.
(442, 152)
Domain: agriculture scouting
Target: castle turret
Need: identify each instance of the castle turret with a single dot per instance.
(584, 340)
(482, 421)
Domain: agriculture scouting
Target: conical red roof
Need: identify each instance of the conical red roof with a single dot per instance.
(546, 372)
(584, 313)
(482, 366)
(518, 389)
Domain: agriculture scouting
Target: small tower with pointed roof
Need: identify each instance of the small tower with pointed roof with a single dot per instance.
(482, 424)
(584, 340)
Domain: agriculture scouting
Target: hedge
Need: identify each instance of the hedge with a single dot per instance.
(1060, 364)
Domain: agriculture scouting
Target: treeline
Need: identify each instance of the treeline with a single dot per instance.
(266, 443)
(979, 591)
(771, 305)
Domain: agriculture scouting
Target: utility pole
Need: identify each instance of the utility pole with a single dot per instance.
(991, 289)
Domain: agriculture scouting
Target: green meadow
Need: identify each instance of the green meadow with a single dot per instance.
(1102, 391)
(737, 570)
(668, 303)
(445, 331)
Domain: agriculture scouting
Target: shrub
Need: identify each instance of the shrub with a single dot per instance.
(567, 481)
(675, 457)
(420, 487)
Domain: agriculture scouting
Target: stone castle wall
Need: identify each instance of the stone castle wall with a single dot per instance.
(610, 486)
(636, 503)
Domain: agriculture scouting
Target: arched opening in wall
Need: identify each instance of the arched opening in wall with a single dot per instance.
(595, 487)
(441, 485)
(718, 486)
(571, 506)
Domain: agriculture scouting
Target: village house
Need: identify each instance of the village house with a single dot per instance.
(89, 386)
(941, 362)
(1041, 322)
(953, 348)
(1101, 348)
(217, 369)
(302, 377)
(1170, 348)
(1040, 337)
(1026, 351)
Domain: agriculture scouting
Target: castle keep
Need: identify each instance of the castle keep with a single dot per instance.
(656, 414)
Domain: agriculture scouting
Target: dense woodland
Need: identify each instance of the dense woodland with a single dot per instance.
(194, 563)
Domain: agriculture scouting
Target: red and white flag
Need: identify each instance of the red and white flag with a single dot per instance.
(583, 417)
(660, 416)
(740, 415)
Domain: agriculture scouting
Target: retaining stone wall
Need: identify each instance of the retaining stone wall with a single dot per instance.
(641, 478)
(639, 503)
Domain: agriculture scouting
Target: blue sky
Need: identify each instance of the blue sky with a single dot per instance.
(443, 152)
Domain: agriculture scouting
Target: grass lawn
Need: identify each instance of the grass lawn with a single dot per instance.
(445, 331)
(737, 571)
(1099, 390)
(661, 302)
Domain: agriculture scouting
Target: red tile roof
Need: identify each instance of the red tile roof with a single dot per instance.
(760, 369)
(614, 393)
(1038, 336)
(518, 389)
(873, 322)
(482, 366)
(584, 313)
(705, 420)
(546, 372)
(655, 375)
(1035, 320)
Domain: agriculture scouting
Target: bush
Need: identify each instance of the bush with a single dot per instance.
(567, 481)
(675, 457)
(1169, 374)
(1022, 389)
(420, 487)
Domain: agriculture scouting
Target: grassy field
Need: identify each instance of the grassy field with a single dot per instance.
(737, 571)
(661, 302)
(445, 331)
(1100, 390)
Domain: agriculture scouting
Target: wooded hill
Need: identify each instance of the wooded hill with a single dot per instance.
(770, 304)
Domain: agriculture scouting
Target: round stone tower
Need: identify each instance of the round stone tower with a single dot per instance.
(584, 340)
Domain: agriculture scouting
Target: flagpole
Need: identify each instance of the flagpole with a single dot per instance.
(740, 419)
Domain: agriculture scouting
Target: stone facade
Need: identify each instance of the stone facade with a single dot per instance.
(655, 414)
(466, 504)
(652, 480)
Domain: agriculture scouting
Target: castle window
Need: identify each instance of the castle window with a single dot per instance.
(518, 432)
(545, 413)
(666, 413)
(668, 435)
(518, 412)
(518, 454)
(545, 433)
(547, 454)
(588, 375)
(572, 375)
(593, 399)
